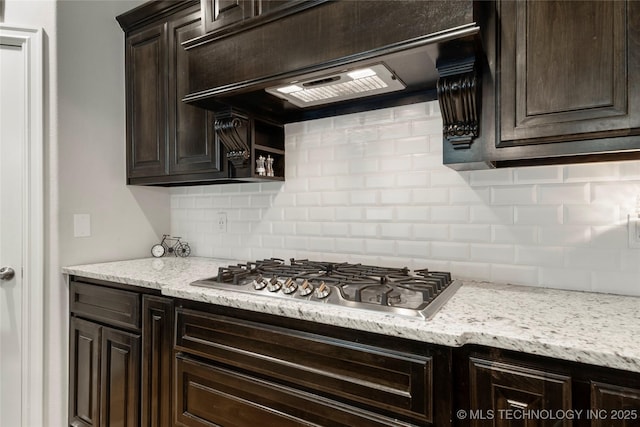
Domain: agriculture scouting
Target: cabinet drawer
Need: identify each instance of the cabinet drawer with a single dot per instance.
(386, 381)
(210, 395)
(112, 306)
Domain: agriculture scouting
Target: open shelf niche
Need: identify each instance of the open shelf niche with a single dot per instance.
(251, 146)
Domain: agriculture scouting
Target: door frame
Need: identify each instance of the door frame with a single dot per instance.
(30, 40)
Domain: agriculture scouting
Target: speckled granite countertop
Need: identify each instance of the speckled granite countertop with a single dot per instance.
(599, 329)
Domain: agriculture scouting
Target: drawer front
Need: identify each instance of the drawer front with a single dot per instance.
(376, 379)
(209, 395)
(112, 306)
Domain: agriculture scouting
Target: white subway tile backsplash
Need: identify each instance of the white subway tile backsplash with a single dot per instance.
(394, 130)
(450, 214)
(539, 256)
(615, 282)
(538, 175)
(397, 231)
(412, 179)
(431, 232)
(363, 134)
(565, 278)
(398, 197)
(514, 274)
(537, 215)
(322, 213)
(491, 214)
(411, 111)
(469, 196)
(416, 214)
(411, 249)
(379, 247)
(470, 233)
(363, 229)
(566, 235)
(428, 126)
(491, 177)
(593, 258)
(335, 229)
(504, 254)
(450, 251)
(370, 187)
(413, 145)
(513, 195)
(430, 196)
(592, 172)
(378, 214)
(514, 234)
(591, 214)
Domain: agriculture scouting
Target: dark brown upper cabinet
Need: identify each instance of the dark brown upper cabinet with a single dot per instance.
(560, 84)
(168, 142)
(217, 14)
(565, 71)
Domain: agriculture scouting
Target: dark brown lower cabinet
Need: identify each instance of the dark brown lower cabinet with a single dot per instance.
(120, 358)
(84, 375)
(104, 384)
(501, 388)
(501, 392)
(140, 359)
(239, 369)
(614, 405)
(157, 344)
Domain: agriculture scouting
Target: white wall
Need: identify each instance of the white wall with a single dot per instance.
(371, 188)
(85, 161)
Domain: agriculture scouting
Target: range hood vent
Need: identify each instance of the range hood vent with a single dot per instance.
(351, 84)
(351, 56)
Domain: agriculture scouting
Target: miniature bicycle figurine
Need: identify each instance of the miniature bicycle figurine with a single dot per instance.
(178, 248)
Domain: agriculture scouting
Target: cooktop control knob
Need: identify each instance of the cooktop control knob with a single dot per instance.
(305, 288)
(322, 291)
(274, 285)
(289, 286)
(259, 283)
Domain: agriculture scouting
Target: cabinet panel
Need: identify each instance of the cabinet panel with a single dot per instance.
(157, 344)
(113, 306)
(501, 387)
(146, 71)
(84, 381)
(620, 404)
(120, 378)
(209, 395)
(218, 14)
(550, 89)
(192, 145)
(370, 377)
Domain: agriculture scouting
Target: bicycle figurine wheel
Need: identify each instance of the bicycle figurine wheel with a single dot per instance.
(184, 250)
(157, 250)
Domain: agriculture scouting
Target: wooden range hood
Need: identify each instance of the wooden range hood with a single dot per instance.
(433, 47)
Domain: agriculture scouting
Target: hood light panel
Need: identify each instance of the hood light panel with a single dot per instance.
(358, 83)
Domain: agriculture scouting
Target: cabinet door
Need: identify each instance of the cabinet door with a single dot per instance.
(568, 70)
(157, 349)
(192, 146)
(500, 391)
(619, 406)
(84, 373)
(218, 14)
(146, 77)
(120, 378)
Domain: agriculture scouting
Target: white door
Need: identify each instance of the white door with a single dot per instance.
(21, 229)
(12, 127)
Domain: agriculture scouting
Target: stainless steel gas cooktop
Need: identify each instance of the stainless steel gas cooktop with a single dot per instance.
(396, 291)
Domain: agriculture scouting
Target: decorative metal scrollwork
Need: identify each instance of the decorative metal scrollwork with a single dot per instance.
(458, 89)
(232, 132)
